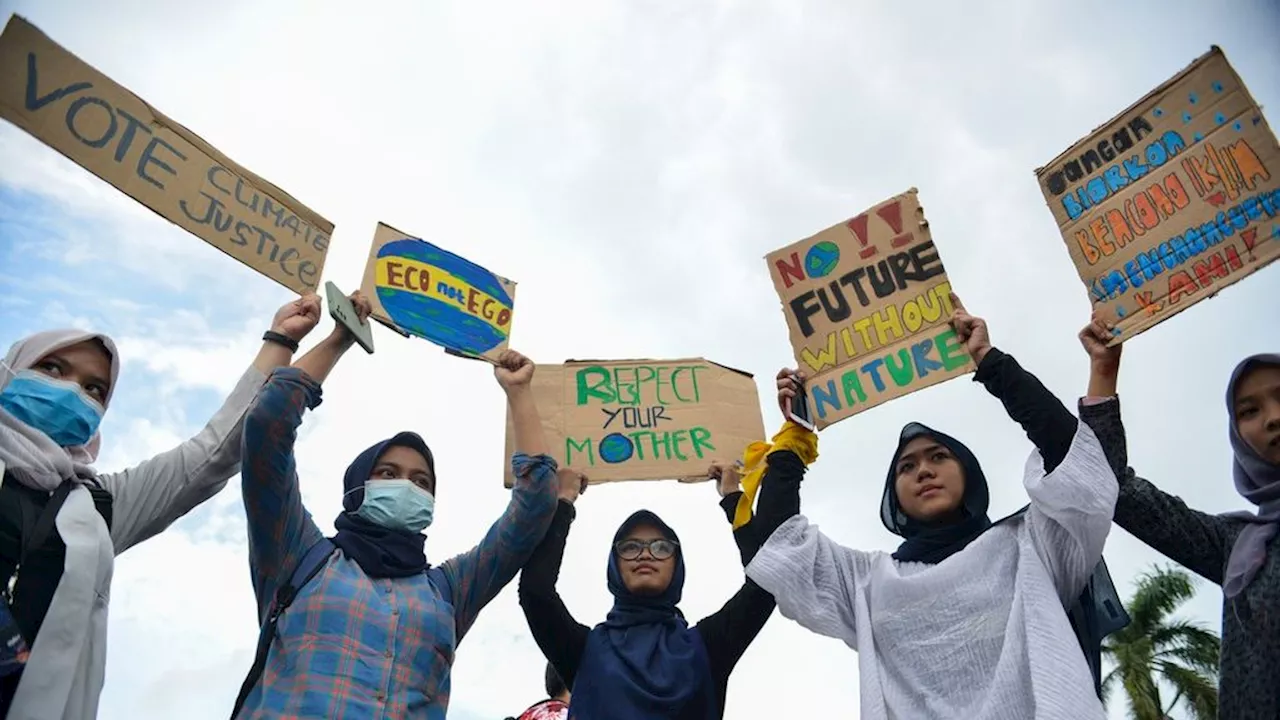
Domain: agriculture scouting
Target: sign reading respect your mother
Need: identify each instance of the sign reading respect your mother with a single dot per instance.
(74, 109)
(868, 305)
(644, 419)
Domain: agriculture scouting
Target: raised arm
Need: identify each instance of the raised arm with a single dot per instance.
(150, 496)
(1197, 540)
(280, 528)
(477, 576)
(1047, 422)
(561, 638)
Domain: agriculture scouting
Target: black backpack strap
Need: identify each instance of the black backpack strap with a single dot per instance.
(40, 532)
(315, 559)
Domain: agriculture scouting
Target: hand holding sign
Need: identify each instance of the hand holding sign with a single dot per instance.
(572, 484)
(727, 476)
(513, 371)
(971, 330)
(298, 317)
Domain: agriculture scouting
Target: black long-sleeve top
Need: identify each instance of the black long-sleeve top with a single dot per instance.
(725, 633)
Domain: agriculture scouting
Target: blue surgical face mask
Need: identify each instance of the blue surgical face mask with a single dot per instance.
(57, 408)
(397, 505)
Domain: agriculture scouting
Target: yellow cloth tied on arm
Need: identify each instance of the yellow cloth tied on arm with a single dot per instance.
(755, 460)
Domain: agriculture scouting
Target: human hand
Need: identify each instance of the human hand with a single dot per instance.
(971, 329)
(727, 476)
(790, 383)
(1104, 362)
(363, 309)
(513, 371)
(572, 484)
(1094, 338)
(298, 317)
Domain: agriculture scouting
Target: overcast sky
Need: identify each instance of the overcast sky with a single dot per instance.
(629, 165)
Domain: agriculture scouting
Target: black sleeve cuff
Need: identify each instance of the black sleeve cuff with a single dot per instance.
(729, 503)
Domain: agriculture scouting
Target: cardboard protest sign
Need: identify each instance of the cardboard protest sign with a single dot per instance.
(1172, 200)
(114, 134)
(420, 289)
(644, 419)
(867, 302)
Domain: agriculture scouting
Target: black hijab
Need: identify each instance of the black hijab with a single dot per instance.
(381, 552)
(934, 542)
(1095, 614)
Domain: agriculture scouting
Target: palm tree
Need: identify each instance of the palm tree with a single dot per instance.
(1158, 650)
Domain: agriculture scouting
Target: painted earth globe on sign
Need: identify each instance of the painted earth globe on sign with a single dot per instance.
(821, 259)
(616, 448)
(444, 322)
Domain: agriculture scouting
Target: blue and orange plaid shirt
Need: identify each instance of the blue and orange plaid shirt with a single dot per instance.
(352, 646)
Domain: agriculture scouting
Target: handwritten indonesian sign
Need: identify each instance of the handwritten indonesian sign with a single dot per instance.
(1172, 200)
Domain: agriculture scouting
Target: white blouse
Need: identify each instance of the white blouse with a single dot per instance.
(980, 636)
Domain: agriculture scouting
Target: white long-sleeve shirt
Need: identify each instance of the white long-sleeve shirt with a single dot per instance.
(980, 636)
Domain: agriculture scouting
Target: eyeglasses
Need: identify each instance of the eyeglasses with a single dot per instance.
(660, 549)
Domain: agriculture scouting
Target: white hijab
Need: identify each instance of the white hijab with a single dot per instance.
(38, 462)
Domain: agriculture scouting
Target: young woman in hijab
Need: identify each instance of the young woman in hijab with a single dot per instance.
(373, 634)
(62, 523)
(1237, 550)
(966, 618)
(644, 661)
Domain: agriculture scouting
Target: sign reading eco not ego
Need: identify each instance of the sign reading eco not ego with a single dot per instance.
(420, 289)
(645, 419)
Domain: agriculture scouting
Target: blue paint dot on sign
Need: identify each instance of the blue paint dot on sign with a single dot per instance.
(1219, 118)
(1198, 137)
(1217, 86)
(1193, 98)
(616, 448)
(1186, 116)
(1238, 126)
(1158, 112)
(1257, 119)
(1120, 311)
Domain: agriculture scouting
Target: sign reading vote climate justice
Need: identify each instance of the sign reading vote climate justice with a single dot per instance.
(1172, 200)
(114, 134)
(423, 290)
(644, 419)
(868, 302)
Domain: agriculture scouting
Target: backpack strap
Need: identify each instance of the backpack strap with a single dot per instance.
(39, 533)
(311, 564)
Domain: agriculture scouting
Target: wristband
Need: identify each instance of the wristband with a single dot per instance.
(272, 336)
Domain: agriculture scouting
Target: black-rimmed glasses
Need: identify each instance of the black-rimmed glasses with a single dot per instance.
(660, 549)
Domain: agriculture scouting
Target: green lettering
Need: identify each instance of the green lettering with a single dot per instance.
(701, 438)
(901, 375)
(676, 438)
(693, 376)
(635, 440)
(633, 397)
(586, 390)
(950, 350)
(571, 445)
(851, 383)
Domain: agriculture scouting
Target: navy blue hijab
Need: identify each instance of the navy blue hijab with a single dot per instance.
(644, 661)
(381, 552)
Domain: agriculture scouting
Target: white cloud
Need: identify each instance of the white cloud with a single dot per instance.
(629, 166)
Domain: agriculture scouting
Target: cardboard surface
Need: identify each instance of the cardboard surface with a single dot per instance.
(644, 419)
(867, 305)
(420, 289)
(114, 134)
(1172, 200)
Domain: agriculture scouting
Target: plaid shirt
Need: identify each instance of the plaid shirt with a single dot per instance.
(352, 646)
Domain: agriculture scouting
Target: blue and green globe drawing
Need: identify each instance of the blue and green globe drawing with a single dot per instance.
(616, 448)
(442, 322)
(821, 259)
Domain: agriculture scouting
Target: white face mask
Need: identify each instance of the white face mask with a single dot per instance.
(397, 505)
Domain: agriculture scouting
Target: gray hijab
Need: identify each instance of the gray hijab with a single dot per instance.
(1258, 481)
